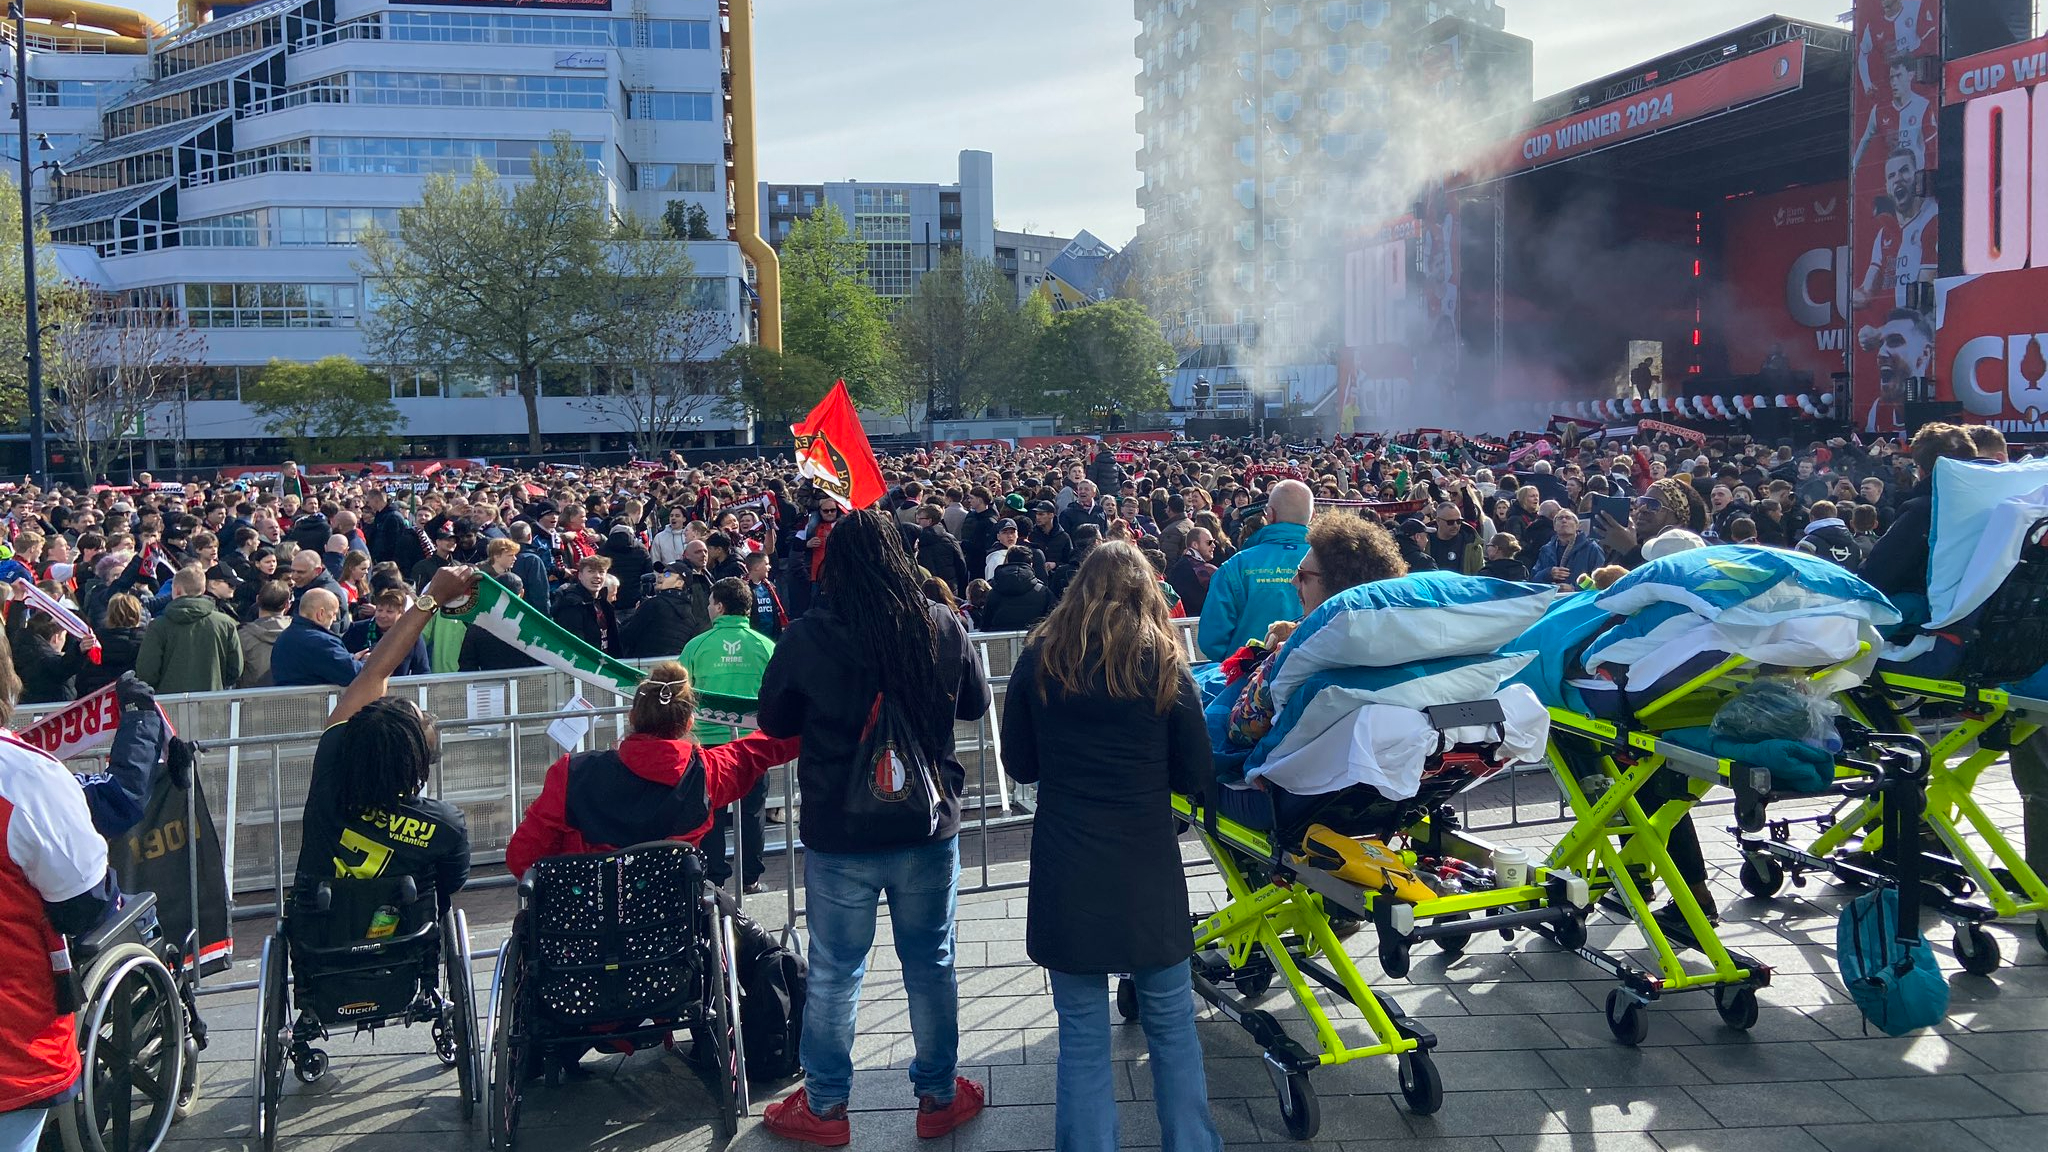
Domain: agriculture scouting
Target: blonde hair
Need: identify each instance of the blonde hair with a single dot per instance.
(664, 703)
(1113, 618)
(123, 611)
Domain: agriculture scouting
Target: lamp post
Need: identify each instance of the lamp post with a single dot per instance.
(38, 450)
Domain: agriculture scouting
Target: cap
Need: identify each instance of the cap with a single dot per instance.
(1043, 506)
(625, 530)
(445, 532)
(1015, 501)
(1411, 526)
(543, 508)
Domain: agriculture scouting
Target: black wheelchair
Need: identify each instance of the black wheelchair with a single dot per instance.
(362, 954)
(616, 951)
(139, 1035)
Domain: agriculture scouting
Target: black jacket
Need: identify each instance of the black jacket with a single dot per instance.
(1017, 600)
(630, 562)
(669, 619)
(311, 532)
(1105, 771)
(821, 685)
(1418, 559)
(978, 535)
(392, 537)
(1056, 544)
(939, 554)
(587, 617)
(45, 672)
(1899, 561)
(1512, 570)
(1830, 539)
(118, 647)
(483, 652)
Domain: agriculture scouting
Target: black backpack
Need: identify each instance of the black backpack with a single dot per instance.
(774, 983)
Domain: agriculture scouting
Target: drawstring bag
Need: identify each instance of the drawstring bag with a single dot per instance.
(895, 795)
(1892, 976)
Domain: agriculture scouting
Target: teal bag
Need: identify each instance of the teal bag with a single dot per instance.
(1893, 978)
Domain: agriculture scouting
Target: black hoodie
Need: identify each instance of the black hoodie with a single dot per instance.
(1017, 600)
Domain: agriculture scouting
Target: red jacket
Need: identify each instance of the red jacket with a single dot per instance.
(730, 772)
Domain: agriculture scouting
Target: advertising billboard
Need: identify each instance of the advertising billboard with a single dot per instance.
(1788, 263)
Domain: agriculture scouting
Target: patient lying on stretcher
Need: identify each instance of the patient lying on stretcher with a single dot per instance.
(1327, 713)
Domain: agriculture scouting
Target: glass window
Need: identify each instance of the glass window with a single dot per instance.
(678, 178)
(691, 106)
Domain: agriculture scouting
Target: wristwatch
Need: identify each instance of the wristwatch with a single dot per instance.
(426, 603)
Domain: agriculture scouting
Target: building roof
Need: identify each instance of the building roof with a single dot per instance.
(141, 143)
(249, 15)
(101, 205)
(193, 78)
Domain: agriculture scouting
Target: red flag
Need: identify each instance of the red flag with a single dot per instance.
(832, 449)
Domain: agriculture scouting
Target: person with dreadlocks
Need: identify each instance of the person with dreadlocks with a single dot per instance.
(871, 638)
(365, 815)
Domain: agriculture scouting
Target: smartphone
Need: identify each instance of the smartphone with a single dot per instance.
(1615, 506)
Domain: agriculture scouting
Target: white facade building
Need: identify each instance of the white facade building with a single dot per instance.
(229, 171)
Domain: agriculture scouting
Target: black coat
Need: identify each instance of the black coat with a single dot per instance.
(667, 620)
(587, 617)
(630, 562)
(45, 672)
(1108, 891)
(939, 554)
(1017, 600)
(1898, 562)
(978, 535)
(483, 652)
(118, 647)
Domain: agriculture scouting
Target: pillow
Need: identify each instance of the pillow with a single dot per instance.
(1334, 694)
(1425, 616)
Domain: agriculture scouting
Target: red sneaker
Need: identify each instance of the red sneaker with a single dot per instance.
(792, 1119)
(936, 1119)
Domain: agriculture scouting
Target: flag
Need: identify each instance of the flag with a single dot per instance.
(512, 619)
(832, 449)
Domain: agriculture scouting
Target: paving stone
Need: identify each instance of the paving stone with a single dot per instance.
(1923, 1098)
(1757, 1063)
(2008, 1051)
(2007, 1133)
(1485, 1114)
(1482, 1071)
(1773, 1026)
(1625, 1109)
(1616, 1067)
(1524, 998)
(1738, 1140)
(2027, 1091)
(1943, 1134)
(1579, 1142)
(1767, 1105)
(1882, 1056)
(1493, 1034)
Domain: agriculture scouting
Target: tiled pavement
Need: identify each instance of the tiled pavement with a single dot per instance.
(1528, 1063)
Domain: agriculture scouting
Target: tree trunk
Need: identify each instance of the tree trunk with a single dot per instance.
(529, 391)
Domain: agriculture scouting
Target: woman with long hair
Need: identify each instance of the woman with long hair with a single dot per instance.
(1103, 716)
(873, 649)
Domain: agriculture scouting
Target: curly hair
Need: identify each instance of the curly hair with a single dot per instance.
(1353, 551)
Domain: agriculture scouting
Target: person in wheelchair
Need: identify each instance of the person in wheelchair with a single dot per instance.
(365, 816)
(659, 784)
(56, 883)
(1344, 551)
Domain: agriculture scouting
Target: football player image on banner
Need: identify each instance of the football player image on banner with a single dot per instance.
(1894, 221)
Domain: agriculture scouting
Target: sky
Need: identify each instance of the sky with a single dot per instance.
(894, 90)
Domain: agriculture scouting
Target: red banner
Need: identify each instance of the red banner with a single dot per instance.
(1785, 259)
(1999, 70)
(1894, 230)
(1994, 348)
(1741, 81)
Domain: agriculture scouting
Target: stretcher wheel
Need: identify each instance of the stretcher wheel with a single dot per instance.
(1454, 946)
(1737, 1007)
(1251, 985)
(1298, 1108)
(2041, 934)
(1761, 876)
(1976, 950)
(1627, 1018)
(1422, 1086)
(1394, 957)
(1571, 933)
(1127, 999)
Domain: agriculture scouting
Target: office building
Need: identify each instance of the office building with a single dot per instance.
(226, 166)
(906, 227)
(1271, 131)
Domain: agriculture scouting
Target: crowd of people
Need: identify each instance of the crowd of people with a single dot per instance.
(751, 580)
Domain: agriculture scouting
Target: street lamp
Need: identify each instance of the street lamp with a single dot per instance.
(38, 450)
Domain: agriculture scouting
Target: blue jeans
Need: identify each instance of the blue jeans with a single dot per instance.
(841, 893)
(1085, 1118)
(20, 1131)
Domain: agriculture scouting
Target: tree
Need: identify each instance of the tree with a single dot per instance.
(1107, 357)
(686, 220)
(828, 311)
(485, 279)
(655, 377)
(330, 410)
(52, 311)
(109, 367)
(773, 389)
(963, 337)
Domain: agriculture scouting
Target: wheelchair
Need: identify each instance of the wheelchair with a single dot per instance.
(139, 1035)
(361, 954)
(616, 951)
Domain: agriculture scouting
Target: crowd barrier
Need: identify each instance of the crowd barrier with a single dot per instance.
(500, 731)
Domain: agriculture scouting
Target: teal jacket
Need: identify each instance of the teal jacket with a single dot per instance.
(1253, 589)
(729, 660)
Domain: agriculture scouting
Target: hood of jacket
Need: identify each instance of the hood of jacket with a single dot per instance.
(656, 760)
(266, 630)
(186, 611)
(1281, 532)
(1013, 580)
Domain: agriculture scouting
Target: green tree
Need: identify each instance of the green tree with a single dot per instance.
(1106, 357)
(963, 337)
(656, 375)
(58, 303)
(330, 410)
(685, 220)
(489, 280)
(828, 311)
(773, 389)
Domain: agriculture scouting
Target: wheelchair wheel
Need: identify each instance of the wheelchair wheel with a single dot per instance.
(273, 1037)
(131, 1038)
(455, 956)
(508, 1051)
(729, 1061)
